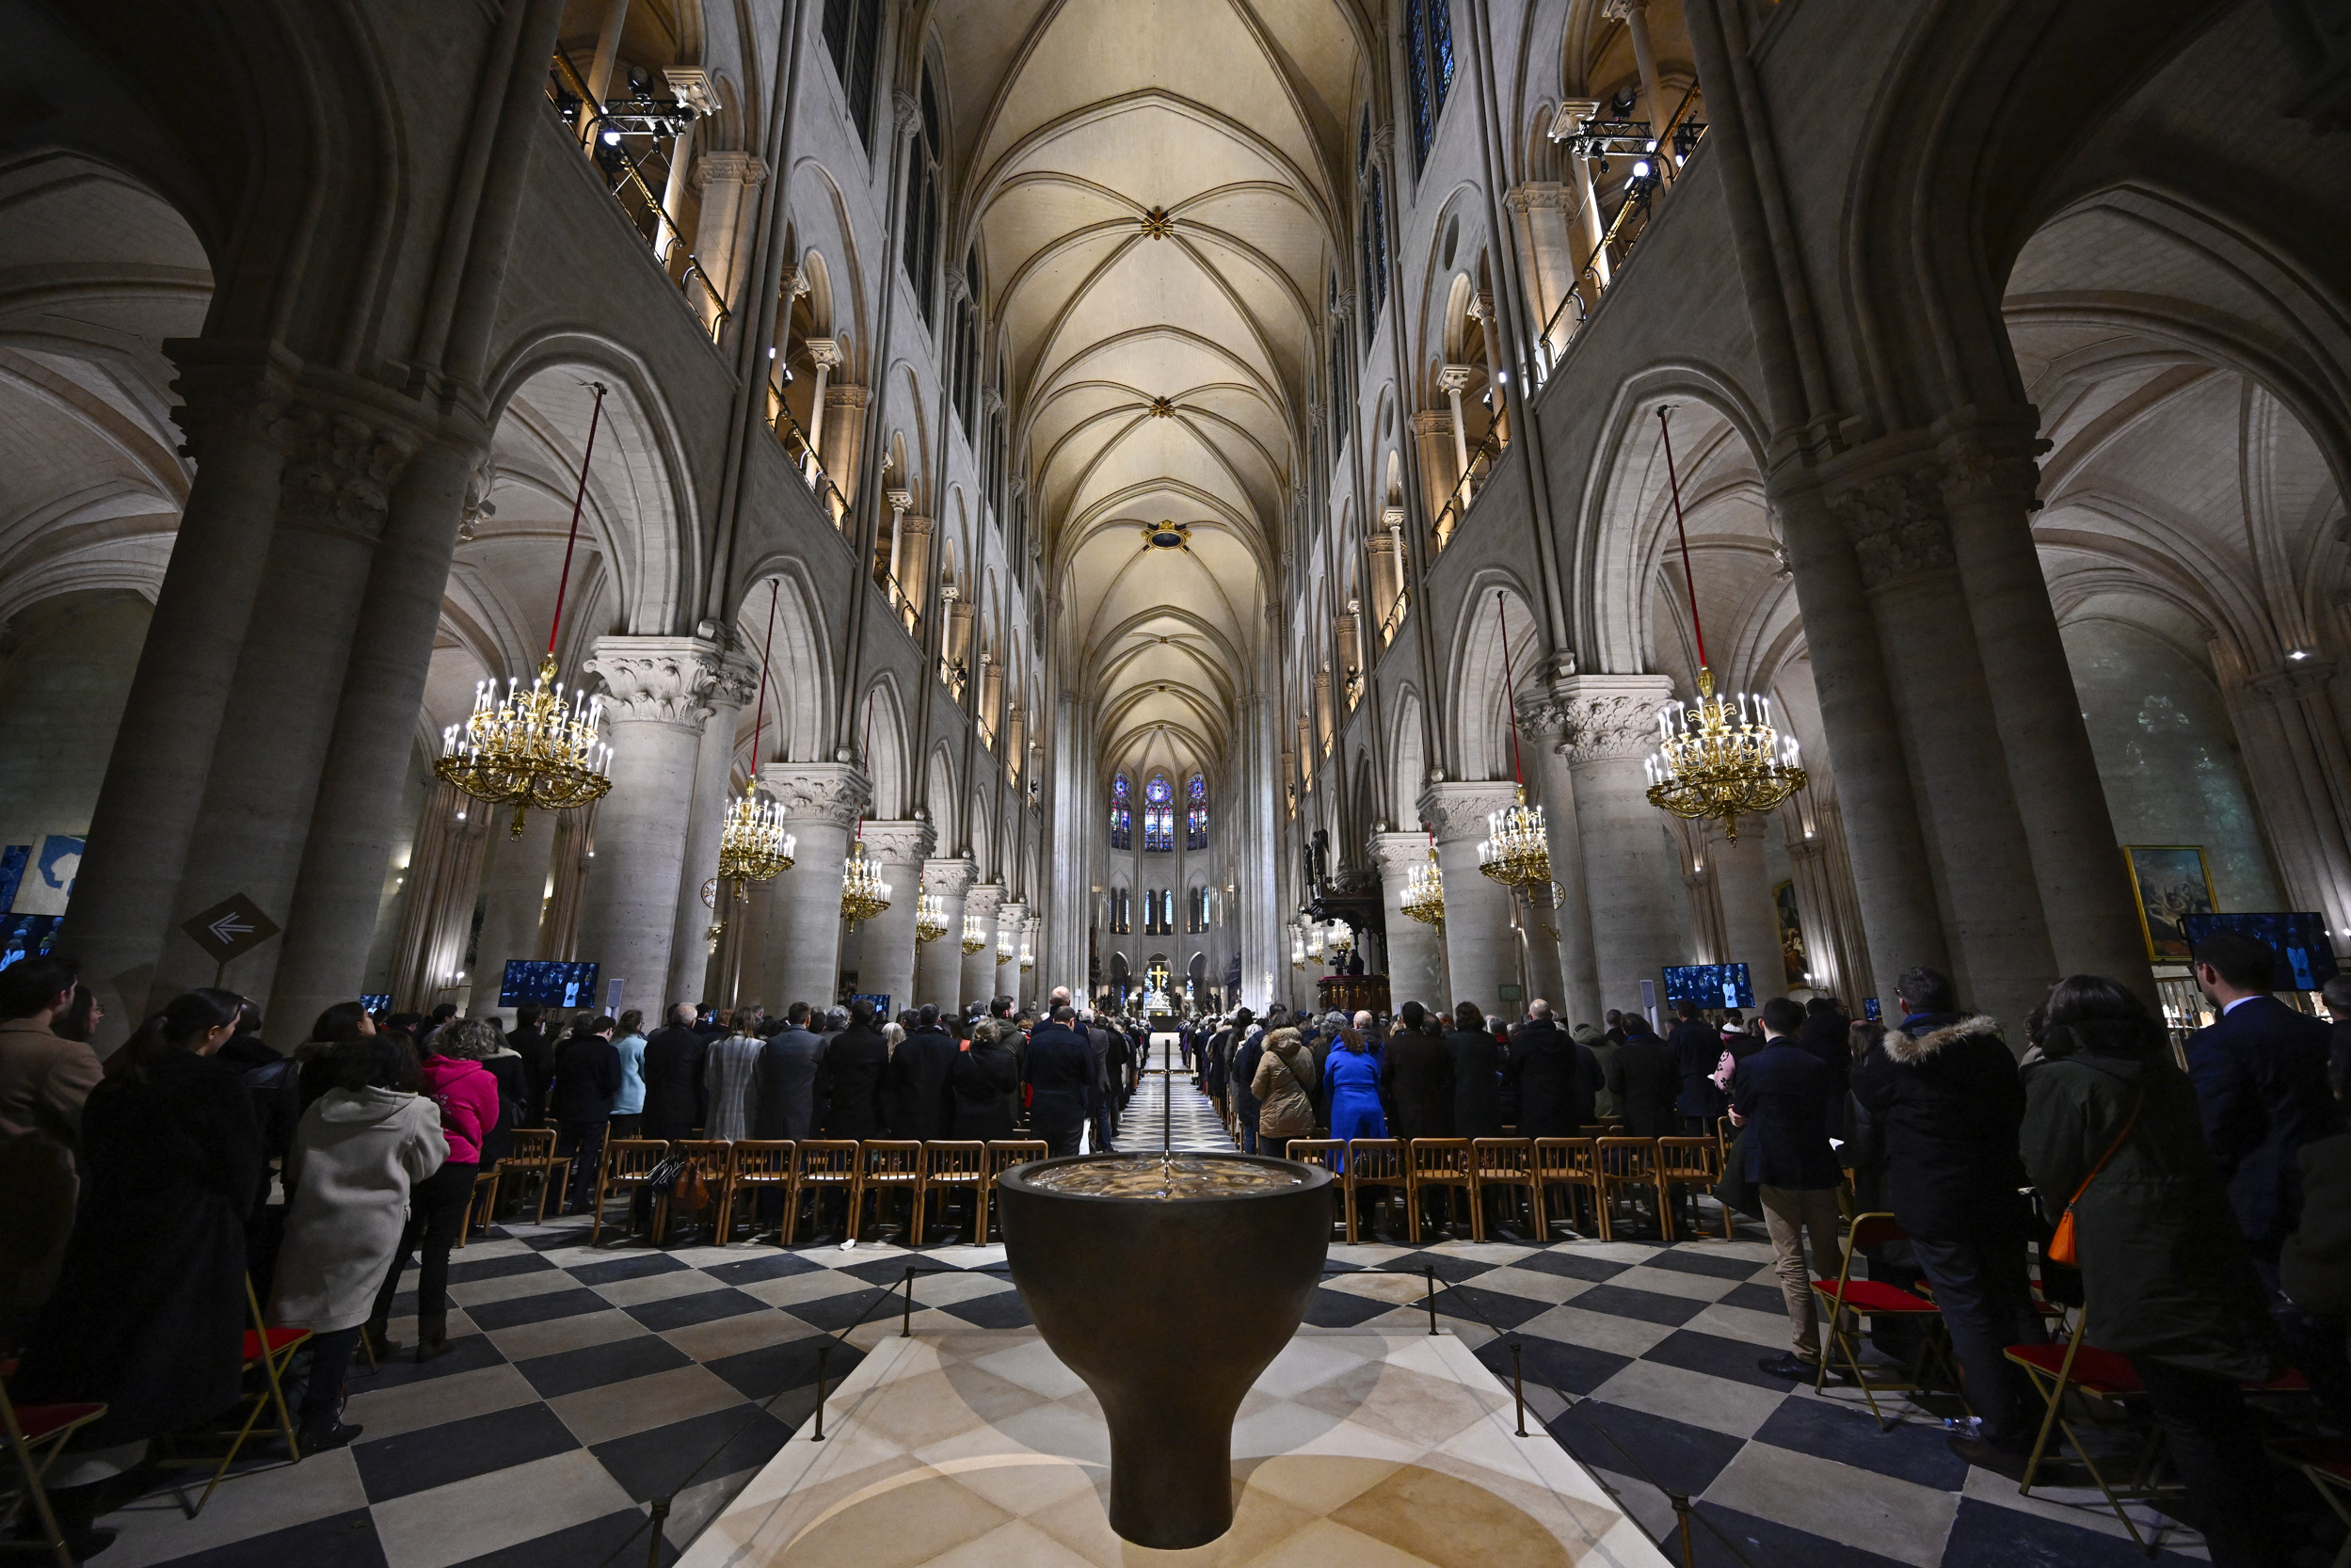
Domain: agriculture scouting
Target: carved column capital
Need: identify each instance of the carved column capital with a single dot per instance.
(984, 899)
(1453, 379)
(831, 793)
(738, 681)
(823, 353)
(656, 679)
(949, 878)
(900, 843)
(906, 113)
(339, 475)
(1610, 718)
(1394, 855)
(741, 169)
(1458, 809)
(841, 394)
(1431, 423)
(1896, 522)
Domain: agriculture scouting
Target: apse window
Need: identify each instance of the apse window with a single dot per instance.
(1121, 912)
(1197, 911)
(1159, 815)
(1196, 813)
(1122, 817)
(1158, 912)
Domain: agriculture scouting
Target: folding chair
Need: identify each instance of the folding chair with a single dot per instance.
(1872, 1298)
(2057, 1370)
(711, 1157)
(1575, 1164)
(1003, 1154)
(271, 1350)
(753, 1164)
(1509, 1164)
(1331, 1155)
(625, 1168)
(2326, 1460)
(946, 1166)
(535, 1150)
(1689, 1164)
(887, 1165)
(1628, 1167)
(483, 1181)
(820, 1164)
(36, 1433)
(1442, 1164)
(1375, 1162)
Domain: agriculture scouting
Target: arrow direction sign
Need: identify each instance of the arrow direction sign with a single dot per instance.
(231, 928)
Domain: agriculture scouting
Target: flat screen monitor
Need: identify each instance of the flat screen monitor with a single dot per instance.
(2306, 956)
(549, 982)
(27, 937)
(376, 1002)
(1709, 984)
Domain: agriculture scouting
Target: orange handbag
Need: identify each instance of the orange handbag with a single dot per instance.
(2060, 1248)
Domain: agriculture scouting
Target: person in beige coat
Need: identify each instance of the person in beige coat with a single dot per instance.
(360, 1148)
(1285, 1108)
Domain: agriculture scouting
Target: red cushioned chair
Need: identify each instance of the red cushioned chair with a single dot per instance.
(36, 1434)
(269, 1351)
(2107, 1387)
(1849, 1300)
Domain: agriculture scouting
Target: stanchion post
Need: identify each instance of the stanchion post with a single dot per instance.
(905, 1321)
(1518, 1388)
(1432, 1299)
(661, 1516)
(824, 1358)
(1681, 1515)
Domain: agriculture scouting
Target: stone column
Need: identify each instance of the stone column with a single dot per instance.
(979, 969)
(1415, 954)
(821, 804)
(824, 354)
(1439, 466)
(600, 70)
(1451, 380)
(1989, 480)
(1011, 928)
(1996, 933)
(736, 682)
(1481, 949)
(263, 787)
(1751, 922)
(1541, 212)
(656, 703)
(726, 180)
(1543, 724)
(845, 438)
(515, 891)
(885, 963)
(1632, 871)
(1573, 113)
(913, 570)
(938, 966)
(238, 422)
(1491, 333)
(1635, 15)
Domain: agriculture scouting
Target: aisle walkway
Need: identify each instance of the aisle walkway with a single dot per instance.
(1141, 1125)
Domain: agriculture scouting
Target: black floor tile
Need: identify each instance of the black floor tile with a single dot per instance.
(468, 1353)
(337, 1541)
(1689, 1259)
(1330, 1308)
(1765, 1541)
(1449, 1266)
(1630, 1442)
(1553, 1363)
(1492, 1308)
(698, 1306)
(766, 1265)
(1647, 1305)
(1733, 1360)
(615, 1270)
(835, 1313)
(463, 1269)
(1985, 1535)
(596, 1366)
(536, 1309)
(1756, 1298)
(599, 1541)
(891, 1270)
(658, 1463)
(772, 1368)
(997, 1309)
(1572, 1265)
(1914, 1451)
(476, 1446)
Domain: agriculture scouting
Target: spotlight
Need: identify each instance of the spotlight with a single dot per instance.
(612, 138)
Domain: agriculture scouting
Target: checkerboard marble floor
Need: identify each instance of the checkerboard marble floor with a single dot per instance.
(1191, 1123)
(587, 1381)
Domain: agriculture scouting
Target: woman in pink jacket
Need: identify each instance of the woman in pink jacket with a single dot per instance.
(467, 1092)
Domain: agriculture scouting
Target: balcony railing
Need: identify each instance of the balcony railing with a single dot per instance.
(624, 139)
(1481, 462)
(1393, 621)
(902, 603)
(1682, 136)
(802, 456)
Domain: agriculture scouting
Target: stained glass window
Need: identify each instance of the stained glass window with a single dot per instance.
(1429, 52)
(1196, 818)
(1122, 821)
(1159, 815)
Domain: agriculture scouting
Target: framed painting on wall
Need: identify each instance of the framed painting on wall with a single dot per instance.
(2169, 882)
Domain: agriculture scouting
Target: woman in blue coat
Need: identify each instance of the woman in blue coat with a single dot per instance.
(1350, 1086)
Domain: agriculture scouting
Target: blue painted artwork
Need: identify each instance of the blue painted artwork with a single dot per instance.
(26, 936)
(48, 883)
(13, 860)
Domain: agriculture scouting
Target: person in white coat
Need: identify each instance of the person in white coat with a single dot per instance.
(359, 1151)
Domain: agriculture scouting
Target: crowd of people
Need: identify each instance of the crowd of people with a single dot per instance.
(198, 1174)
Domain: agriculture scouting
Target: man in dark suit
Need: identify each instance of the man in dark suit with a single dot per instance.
(674, 1097)
(849, 1082)
(1779, 1094)
(1060, 1076)
(530, 1041)
(785, 1098)
(1554, 1078)
(2261, 1072)
(1645, 1080)
(917, 1080)
(1105, 1109)
(1697, 1048)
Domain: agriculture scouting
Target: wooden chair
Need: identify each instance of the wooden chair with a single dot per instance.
(270, 1351)
(1003, 1154)
(753, 1165)
(36, 1433)
(1376, 1162)
(820, 1164)
(711, 1157)
(946, 1166)
(1849, 1300)
(1331, 1155)
(1443, 1164)
(888, 1165)
(475, 1203)
(1573, 1163)
(626, 1167)
(1507, 1165)
(1691, 1163)
(535, 1150)
(1628, 1167)
(2058, 1367)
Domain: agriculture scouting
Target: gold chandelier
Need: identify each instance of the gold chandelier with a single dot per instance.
(753, 845)
(1003, 949)
(528, 747)
(1708, 766)
(975, 934)
(930, 918)
(1517, 850)
(1338, 941)
(1028, 958)
(863, 893)
(1424, 891)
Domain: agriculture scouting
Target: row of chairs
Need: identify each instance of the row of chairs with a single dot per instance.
(790, 1174)
(1588, 1175)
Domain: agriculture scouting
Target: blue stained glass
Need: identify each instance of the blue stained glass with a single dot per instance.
(1156, 792)
(1198, 789)
(1417, 58)
(1441, 29)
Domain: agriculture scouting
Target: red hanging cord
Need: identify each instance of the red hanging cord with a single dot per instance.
(1689, 584)
(867, 752)
(563, 585)
(759, 724)
(1510, 685)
